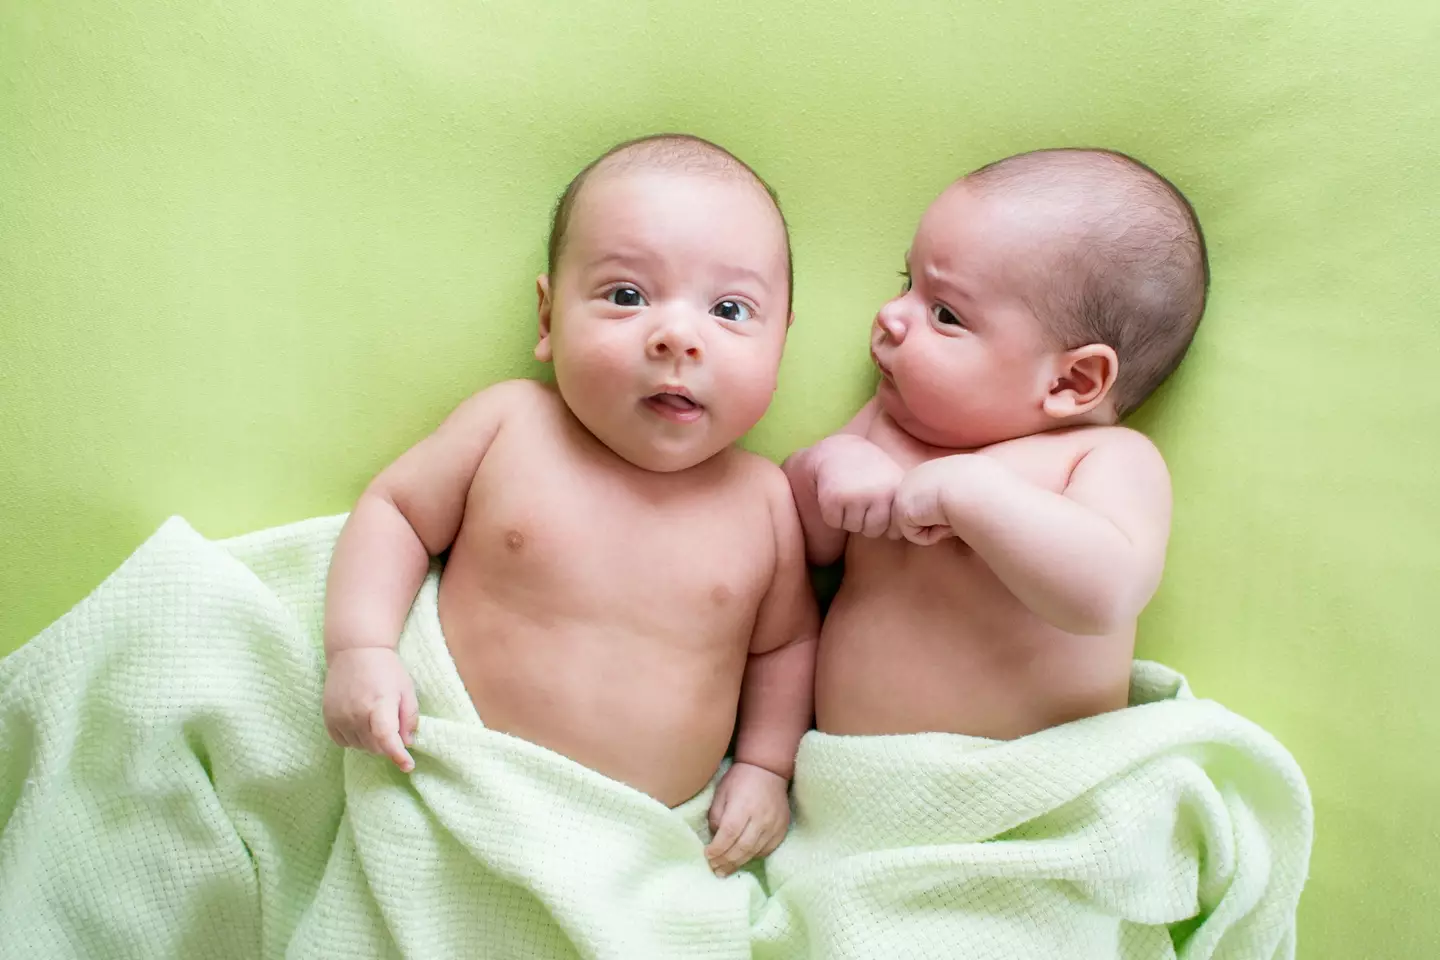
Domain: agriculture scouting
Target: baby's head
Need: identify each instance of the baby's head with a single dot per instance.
(1049, 289)
(666, 300)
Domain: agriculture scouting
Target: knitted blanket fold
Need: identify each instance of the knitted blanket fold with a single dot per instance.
(167, 790)
(1173, 828)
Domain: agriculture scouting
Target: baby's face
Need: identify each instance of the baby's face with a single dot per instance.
(667, 315)
(964, 361)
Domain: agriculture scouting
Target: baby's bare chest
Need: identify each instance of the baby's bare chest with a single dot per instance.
(560, 524)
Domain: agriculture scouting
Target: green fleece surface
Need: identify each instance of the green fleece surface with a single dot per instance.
(250, 251)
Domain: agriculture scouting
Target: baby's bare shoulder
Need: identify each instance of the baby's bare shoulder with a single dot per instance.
(760, 476)
(1107, 455)
(1120, 466)
(521, 393)
(758, 483)
(1077, 443)
(1121, 447)
(530, 402)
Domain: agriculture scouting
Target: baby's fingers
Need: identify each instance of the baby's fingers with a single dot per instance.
(394, 748)
(747, 848)
(409, 717)
(385, 735)
(832, 510)
(877, 520)
(926, 536)
(717, 812)
(719, 853)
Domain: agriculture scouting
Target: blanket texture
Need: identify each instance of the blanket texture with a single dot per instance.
(167, 790)
(1170, 829)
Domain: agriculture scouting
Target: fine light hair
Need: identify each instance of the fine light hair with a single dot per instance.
(675, 152)
(1129, 267)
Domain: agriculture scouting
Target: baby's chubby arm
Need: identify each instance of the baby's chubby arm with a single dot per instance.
(751, 809)
(844, 484)
(1086, 561)
(407, 514)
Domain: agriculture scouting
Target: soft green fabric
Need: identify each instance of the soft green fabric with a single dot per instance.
(1173, 828)
(251, 250)
(167, 790)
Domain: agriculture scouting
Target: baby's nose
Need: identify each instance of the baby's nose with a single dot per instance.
(891, 320)
(673, 338)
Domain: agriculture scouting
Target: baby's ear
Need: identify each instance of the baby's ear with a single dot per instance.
(1083, 380)
(543, 353)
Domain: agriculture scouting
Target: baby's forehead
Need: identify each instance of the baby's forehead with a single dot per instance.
(990, 230)
(637, 201)
(675, 181)
(685, 224)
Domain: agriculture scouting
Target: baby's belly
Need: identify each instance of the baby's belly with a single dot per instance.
(649, 710)
(933, 642)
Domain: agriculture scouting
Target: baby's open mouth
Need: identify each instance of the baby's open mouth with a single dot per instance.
(676, 405)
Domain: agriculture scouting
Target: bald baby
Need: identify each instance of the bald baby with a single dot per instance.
(672, 152)
(623, 584)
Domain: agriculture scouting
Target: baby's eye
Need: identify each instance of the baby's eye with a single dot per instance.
(905, 281)
(732, 310)
(626, 297)
(944, 316)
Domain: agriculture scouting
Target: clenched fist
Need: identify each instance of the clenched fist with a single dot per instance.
(855, 484)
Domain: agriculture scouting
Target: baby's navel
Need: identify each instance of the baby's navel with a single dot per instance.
(514, 539)
(720, 595)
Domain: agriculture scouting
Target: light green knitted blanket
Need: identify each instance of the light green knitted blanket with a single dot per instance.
(1171, 829)
(167, 790)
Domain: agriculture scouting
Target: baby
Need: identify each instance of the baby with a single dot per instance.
(1001, 533)
(621, 577)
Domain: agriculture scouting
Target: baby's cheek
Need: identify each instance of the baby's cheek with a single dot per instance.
(749, 394)
(593, 368)
(931, 395)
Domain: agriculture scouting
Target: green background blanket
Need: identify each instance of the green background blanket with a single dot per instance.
(167, 790)
(251, 250)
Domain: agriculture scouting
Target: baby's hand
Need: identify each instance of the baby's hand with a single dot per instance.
(370, 703)
(919, 510)
(748, 817)
(855, 483)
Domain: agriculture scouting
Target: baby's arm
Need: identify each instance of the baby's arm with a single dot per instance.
(844, 484)
(407, 514)
(1086, 561)
(751, 810)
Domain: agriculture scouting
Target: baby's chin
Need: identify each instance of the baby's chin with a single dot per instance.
(664, 461)
(944, 430)
(670, 454)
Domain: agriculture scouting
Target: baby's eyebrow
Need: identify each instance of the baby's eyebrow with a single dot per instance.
(939, 277)
(746, 273)
(622, 258)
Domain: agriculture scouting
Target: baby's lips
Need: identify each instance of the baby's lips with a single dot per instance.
(675, 401)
